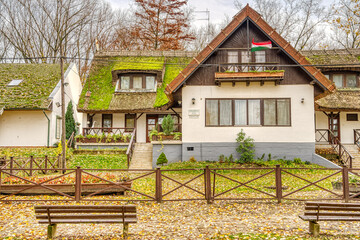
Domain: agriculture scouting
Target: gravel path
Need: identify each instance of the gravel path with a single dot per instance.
(182, 220)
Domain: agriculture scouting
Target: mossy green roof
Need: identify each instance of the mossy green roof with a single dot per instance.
(39, 80)
(100, 83)
(333, 57)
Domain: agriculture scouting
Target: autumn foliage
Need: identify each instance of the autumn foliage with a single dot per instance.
(161, 24)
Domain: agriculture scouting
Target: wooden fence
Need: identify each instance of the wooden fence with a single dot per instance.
(28, 166)
(209, 184)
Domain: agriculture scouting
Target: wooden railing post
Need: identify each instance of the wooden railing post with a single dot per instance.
(158, 185)
(78, 184)
(58, 161)
(46, 163)
(345, 175)
(11, 164)
(207, 180)
(31, 165)
(278, 183)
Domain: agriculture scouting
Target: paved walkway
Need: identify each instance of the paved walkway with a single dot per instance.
(354, 151)
(142, 156)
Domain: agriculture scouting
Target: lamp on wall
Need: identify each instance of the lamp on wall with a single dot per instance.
(302, 100)
(193, 101)
(57, 104)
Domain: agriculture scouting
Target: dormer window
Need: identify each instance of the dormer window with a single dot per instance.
(136, 83)
(344, 80)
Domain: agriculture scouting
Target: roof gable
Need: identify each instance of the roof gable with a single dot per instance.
(249, 14)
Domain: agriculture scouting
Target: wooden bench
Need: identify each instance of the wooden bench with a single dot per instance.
(53, 215)
(321, 211)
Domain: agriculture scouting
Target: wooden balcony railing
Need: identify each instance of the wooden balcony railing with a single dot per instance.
(357, 137)
(131, 146)
(247, 67)
(107, 131)
(327, 136)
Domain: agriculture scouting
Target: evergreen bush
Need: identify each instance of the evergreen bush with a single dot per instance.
(245, 148)
(161, 159)
(168, 125)
(69, 121)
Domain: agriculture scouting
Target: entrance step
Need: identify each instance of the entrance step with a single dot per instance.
(142, 156)
(354, 151)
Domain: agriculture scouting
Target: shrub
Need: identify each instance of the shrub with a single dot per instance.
(297, 160)
(69, 121)
(192, 159)
(161, 159)
(245, 148)
(221, 158)
(168, 125)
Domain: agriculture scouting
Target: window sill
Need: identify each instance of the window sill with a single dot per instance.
(135, 91)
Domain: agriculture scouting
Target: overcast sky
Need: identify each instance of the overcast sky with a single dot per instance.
(218, 8)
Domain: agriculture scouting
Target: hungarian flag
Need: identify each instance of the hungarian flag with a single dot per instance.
(260, 46)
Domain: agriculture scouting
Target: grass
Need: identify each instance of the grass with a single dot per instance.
(100, 161)
(27, 152)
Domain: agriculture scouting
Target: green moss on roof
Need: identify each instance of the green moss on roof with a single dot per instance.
(39, 80)
(139, 63)
(173, 67)
(99, 82)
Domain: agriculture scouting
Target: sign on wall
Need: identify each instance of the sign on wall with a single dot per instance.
(194, 113)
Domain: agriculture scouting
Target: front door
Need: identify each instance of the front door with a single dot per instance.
(151, 122)
(334, 125)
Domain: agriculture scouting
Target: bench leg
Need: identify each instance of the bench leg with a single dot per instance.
(51, 231)
(125, 230)
(314, 228)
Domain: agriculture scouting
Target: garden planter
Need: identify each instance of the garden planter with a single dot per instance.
(86, 188)
(94, 140)
(164, 138)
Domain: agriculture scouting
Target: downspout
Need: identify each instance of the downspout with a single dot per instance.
(48, 134)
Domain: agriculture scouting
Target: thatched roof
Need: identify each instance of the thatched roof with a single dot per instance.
(38, 81)
(99, 94)
(341, 100)
(334, 59)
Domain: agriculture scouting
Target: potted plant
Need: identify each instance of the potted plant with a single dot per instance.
(354, 184)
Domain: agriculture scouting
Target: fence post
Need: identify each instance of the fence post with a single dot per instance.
(31, 165)
(278, 183)
(158, 185)
(78, 184)
(59, 161)
(345, 175)
(207, 180)
(46, 163)
(11, 164)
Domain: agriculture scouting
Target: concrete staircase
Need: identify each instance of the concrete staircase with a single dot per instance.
(142, 156)
(354, 151)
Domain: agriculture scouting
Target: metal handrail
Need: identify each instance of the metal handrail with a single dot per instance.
(335, 143)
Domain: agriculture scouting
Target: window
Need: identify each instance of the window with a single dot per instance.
(14, 82)
(233, 57)
(343, 80)
(58, 127)
(130, 121)
(150, 82)
(260, 57)
(247, 112)
(107, 120)
(125, 82)
(137, 82)
(351, 81)
(245, 58)
(351, 117)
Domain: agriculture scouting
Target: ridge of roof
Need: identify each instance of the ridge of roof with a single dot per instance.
(248, 12)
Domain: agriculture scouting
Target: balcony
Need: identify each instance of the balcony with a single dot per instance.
(248, 73)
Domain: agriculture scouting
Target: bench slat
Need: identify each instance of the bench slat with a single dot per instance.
(74, 221)
(84, 207)
(332, 214)
(85, 211)
(326, 208)
(329, 218)
(84, 216)
(332, 204)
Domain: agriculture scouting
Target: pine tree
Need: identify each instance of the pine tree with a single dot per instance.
(69, 120)
(161, 159)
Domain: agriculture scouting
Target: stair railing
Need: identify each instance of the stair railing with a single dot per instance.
(357, 137)
(326, 135)
(130, 149)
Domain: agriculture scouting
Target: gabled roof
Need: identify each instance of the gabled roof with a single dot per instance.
(341, 100)
(251, 14)
(346, 58)
(39, 80)
(98, 92)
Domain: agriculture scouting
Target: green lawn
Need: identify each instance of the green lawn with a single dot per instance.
(110, 161)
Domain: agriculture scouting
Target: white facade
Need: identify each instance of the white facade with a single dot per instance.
(302, 113)
(30, 128)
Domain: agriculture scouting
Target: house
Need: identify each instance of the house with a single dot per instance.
(339, 111)
(223, 89)
(30, 111)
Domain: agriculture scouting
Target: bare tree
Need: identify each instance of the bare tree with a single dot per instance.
(346, 24)
(299, 22)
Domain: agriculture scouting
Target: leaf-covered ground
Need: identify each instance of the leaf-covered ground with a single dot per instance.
(184, 220)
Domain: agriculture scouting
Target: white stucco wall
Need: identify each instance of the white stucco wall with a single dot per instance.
(302, 114)
(23, 128)
(346, 127)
